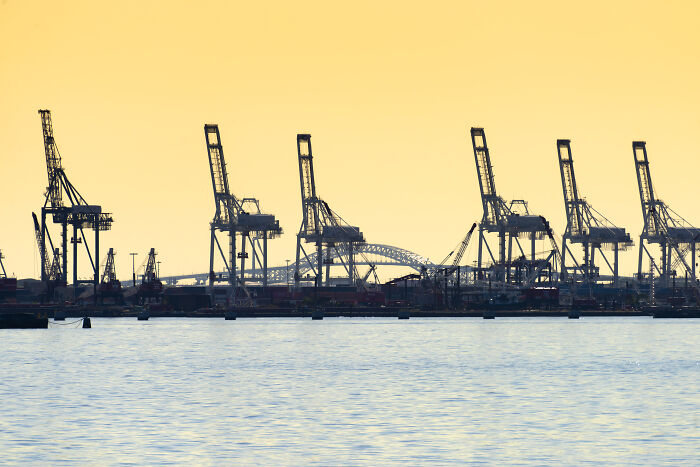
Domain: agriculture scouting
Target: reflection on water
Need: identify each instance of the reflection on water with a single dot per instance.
(353, 391)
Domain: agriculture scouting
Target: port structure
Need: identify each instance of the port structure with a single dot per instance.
(322, 226)
(51, 272)
(74, 212)
(510, 221)
(587, 227)
(3, 273)
(235, 217)
(442, 272)
(151, 288)
(676, 237)
(110, 286)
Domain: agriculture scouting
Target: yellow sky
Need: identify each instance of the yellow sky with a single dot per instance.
(388, 91)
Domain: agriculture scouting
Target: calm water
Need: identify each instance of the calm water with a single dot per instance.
(375, 391)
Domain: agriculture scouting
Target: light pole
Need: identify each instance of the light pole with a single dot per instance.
(133, 269)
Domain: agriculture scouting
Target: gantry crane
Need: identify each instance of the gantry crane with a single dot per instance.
(234, 216)
(586, 226)
(675, 236)
(321, 225)
(510, 221)
(77, 213)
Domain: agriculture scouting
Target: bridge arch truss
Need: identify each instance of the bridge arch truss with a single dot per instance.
(366, 255)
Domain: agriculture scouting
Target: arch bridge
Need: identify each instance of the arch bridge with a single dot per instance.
(368, 254)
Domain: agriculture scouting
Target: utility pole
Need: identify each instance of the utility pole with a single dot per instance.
(133, 269)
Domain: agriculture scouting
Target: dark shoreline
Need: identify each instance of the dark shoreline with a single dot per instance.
(333, 312)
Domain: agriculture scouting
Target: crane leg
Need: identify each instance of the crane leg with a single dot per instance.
(232, 258)
(319, 271)
(43, 245)
(615, 274)
(243, 239)
(296, 264)
(639, 264)
(478, 261)
(510, 256)
(97, 262)
(211, 259)
(664, 260)
(563, 259)
(64, 251)
(692, 258)
(265, 260)
(351, 264)
(75, 261)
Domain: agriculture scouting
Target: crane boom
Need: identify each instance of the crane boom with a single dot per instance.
(493, 205)
(440, 272)
(463, 247)
(651, 211)
(309, 201)
(51, 269)
(572, 202)
(54, 169)
(46, 267)
(227, 205)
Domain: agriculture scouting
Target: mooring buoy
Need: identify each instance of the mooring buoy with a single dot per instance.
(86, 323)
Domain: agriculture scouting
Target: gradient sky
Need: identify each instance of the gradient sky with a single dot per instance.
(388, 91)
